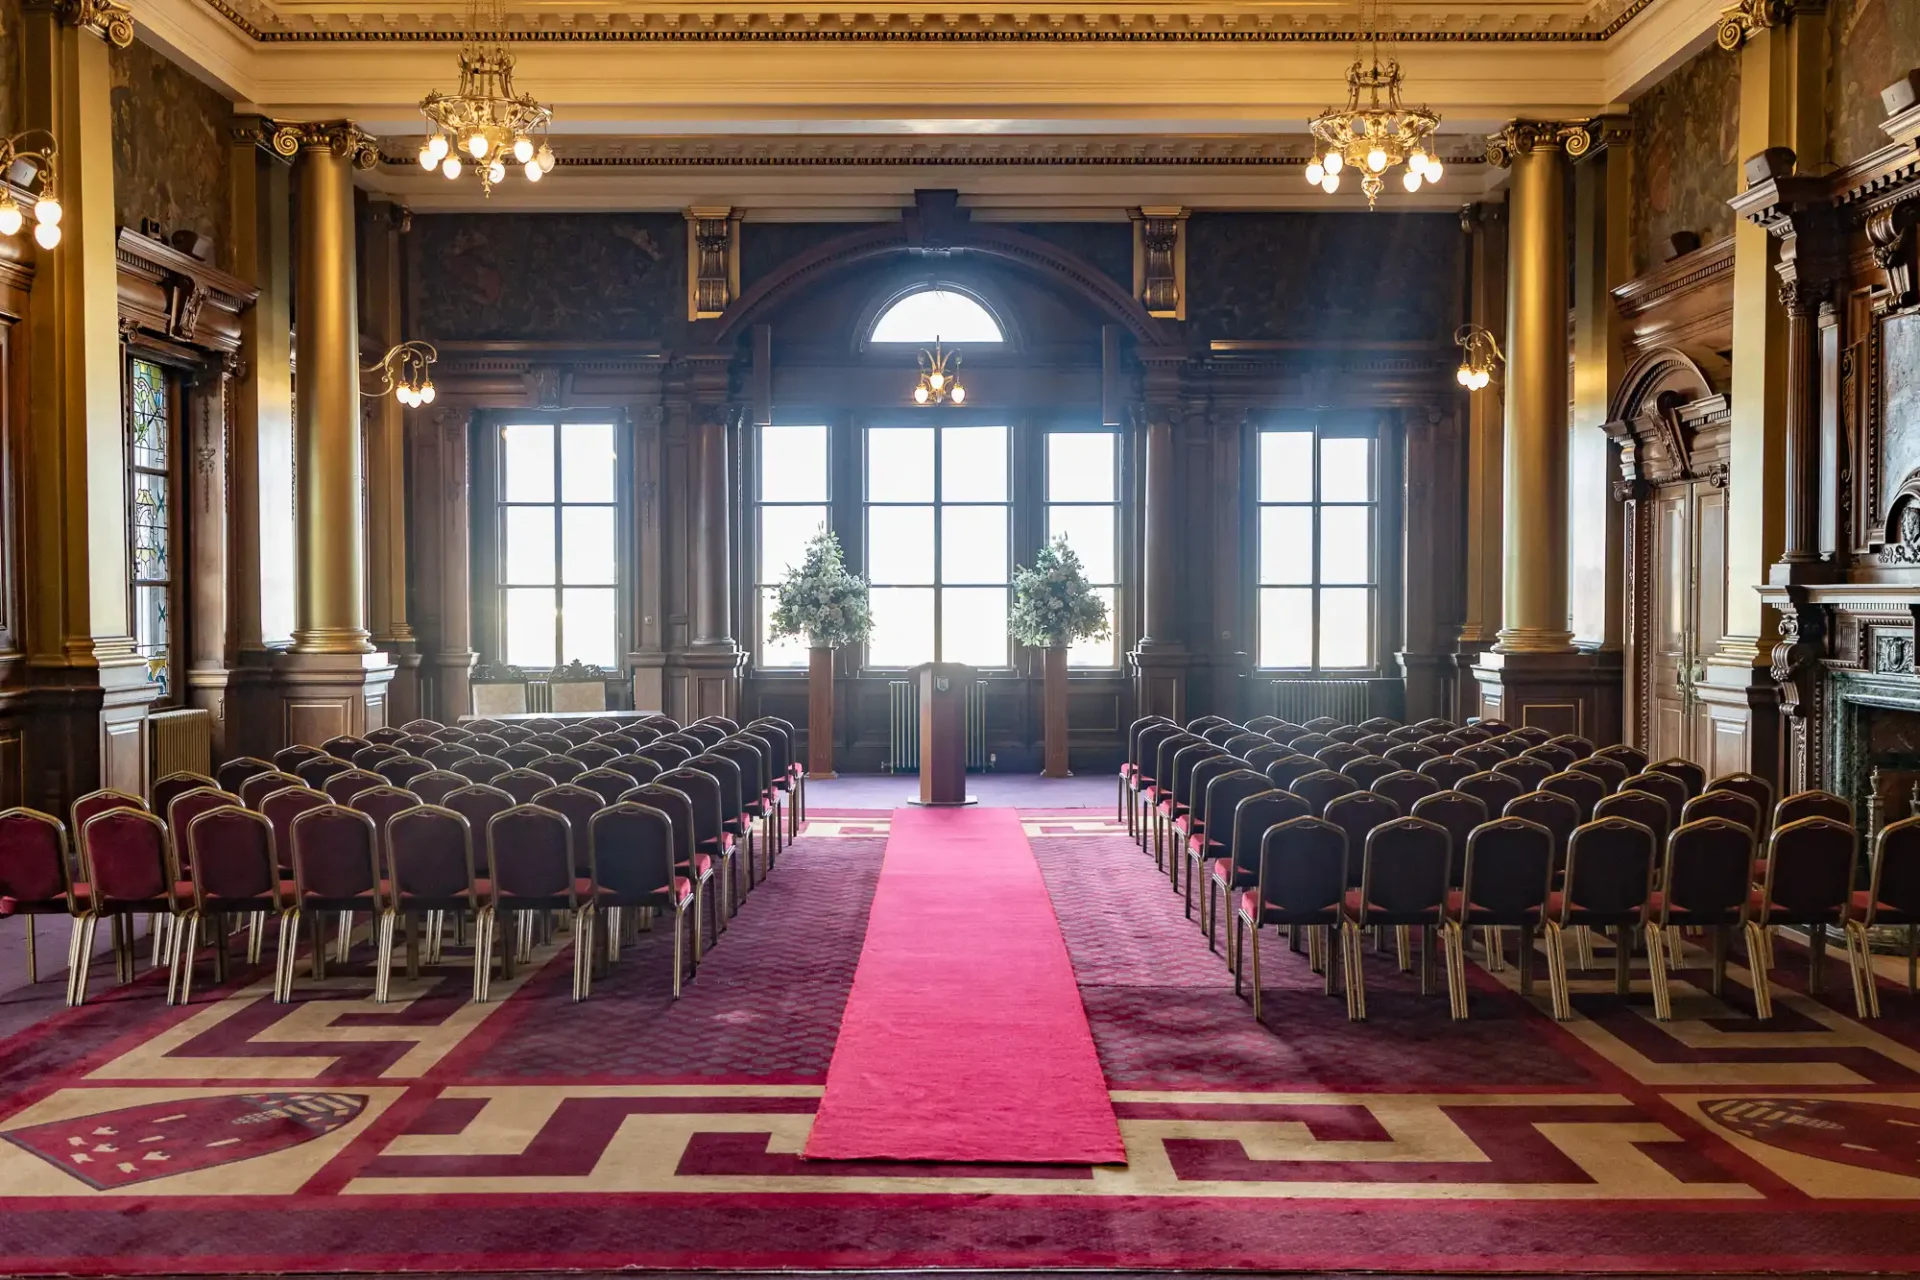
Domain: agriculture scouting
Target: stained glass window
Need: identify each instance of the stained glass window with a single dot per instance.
(149, 493)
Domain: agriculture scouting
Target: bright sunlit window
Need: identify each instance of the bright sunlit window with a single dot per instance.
(1317, 556)
(941, 315)
(1083, 502)
(789, 508)
(559, 559)
(937, 553)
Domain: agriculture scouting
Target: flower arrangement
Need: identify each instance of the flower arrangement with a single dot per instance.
(821, 599)
(1052, 603)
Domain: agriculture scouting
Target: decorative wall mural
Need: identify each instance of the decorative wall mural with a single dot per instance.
(170, 148)
(1875, 42)
(1686, 136)
(552, 277)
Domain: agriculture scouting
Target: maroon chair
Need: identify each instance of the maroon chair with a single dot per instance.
(633, 853)
(234, 774)
(434, 787)
(1528, 771)
(579, 734)
(1494, 790)
(481, 769)
(511, 734)
(689, 861)
(710, 835)
(36, 878)
(1338, 755)
(1812, 804)
(668, 755)
(606, 724)
(1458, 814)
(1409, 755)
(319, 770)
(577, 805)
(1691, 775)
(235, 873)
(1309, 742)
(1404, 883)
(336, 868)
(1447, 771)
(96, 802)
(1374, 744)
(485, 743)
(1404, 787)
(372, 757)
(1583, 789)
(1319, 723)
(280, 809)
(1350, 733)
(1505, 877)
(1608, 884)
(1481, 756)
(1246, 740)
(558, 768)
(1572, 742)
(522, 784)
(663, 723)
(1634, 760)
(635, 767)
(1191, 819)
(1301, 883)
(1892, 896)
(1470, 736)
(522, 754)
(1556, 813)
(1810, 883)
(1367, 770)
(1731, 805)
(1240, 869)
(530, 867)
(1408, 734)
(254, 791)
(544, 724)
(344, 746)
(1664, 785)
(1611, 772)
(160, 795)
(1534, 734)
(553, 743)
(639, 735)
(1157, 779)
(1754, 788)
(1559, 757)
(608, 784)
(1220, 734)
(1513, 744)
(1262, 756)
(383, 804)
(1321, 787)
(1212, 837)
(126, 867)
(1379, 724)
(341, 788)
(593, 754)
(180, 815)
(1357, 814)
(447, 755)
(417, 744)
(433, 871)
(1643, 807)
(1175, 799)
(1283, 772)
(1705, 883)
(289, 759)
(401, 771)
(385, 735)
(424, 725)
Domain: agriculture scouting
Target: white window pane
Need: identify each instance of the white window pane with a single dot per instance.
(528, 628)
(973, 544)
(973, 464)
(587, 627)
(588, 464)
(527, 553)
(526, 462)
(936, 314)
(900, 544)
(1286, 544)
(1286, 466)
(900, 464)
(1346, 469)
(902, 626)
(1345, 627)
(1346, 553)
(791, 652)
(793, 464)
(1286, 627)
(1080, 466)
(784, 534)
(973, 626)
(1098, 653)
(1090, 533)
(589, 546)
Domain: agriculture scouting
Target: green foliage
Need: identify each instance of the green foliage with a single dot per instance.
(821, 600)
(1052, 603)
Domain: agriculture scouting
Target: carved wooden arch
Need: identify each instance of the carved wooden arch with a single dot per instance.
(1066, 271)
(1645, 416)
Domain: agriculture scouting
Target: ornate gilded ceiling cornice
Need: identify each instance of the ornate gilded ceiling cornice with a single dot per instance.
(111, 21)
(780, 25)
(1575, 137)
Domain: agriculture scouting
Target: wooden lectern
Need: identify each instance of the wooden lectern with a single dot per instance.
(943, 732)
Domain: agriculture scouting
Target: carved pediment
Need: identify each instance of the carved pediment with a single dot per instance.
(1670, 419)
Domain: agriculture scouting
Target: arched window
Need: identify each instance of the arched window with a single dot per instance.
(943, 314)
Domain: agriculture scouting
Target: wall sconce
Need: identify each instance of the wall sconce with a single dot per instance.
(938, 382)
(17, 150)
(1480, 356)
(406, 370)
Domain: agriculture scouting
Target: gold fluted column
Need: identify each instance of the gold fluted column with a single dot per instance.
(89, 729)
(335, 681)
(386, 466)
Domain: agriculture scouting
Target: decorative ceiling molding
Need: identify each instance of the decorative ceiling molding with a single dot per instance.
(1445, 22)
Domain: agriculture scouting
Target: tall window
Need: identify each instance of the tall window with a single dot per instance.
(1083, 502)
(1318, 559)
(150, 517)
(937, 533)
(790, 507)
(559, 560)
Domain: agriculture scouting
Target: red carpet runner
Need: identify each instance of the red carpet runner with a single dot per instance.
(964, 1038)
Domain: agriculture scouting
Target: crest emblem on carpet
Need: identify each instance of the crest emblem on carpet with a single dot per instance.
(112, 1149)
(1866, 1135)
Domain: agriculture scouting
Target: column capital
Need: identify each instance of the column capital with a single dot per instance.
(1525, 137)
(281, 141)
(340, 137)
(1740, 20)
(111, 21)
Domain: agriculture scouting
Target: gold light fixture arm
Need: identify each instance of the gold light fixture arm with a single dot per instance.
(36, 149)
(1480, 356)
(407, 371)
(939, 383)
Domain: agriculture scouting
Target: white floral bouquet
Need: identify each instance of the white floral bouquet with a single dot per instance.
(821, 599)
(1052, 603)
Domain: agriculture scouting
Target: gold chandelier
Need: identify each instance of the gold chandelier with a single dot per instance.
(18, 149)
(938, 383)
(1374, 137)
(485, 120)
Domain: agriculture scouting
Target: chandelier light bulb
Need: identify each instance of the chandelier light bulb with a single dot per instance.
(10, 216)
(1482, 378)
(534, 171)
(1315, 172)
(477, 145)
(958, 394)
(426, 394)
(1433, 169)
(47, 211)
(1331, 184)
(1376, 159)
(1335, 162)
(405, 395)
(936, 380)
(523, 148)
(1411, 181)
(496, 172)
(544, 158)
(1464, 376)
(451, 166)
(438, 146)
(1418, 160)
(428, 160)
(920, 395)
(47, 234)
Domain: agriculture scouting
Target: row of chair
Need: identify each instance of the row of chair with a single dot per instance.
(1659, 847)
(256, 840)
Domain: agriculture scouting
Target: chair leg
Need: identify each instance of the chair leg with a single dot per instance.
(1526, 960)
(1557, 971)
(679, 946)
(1323, 936)
(1317, 958)
(1233, 951)
(382, 955)
(1192, 862)
(283, 958)
(1210, 917)
(158, 926)
(1403, 950)
(1583, 940)
(1816, 959)
(582, 953)
(412, 926)
(1256, 969)
(1913, 956)
(1491, 944)
(1657, 973)
(1717, 983)
(699, 902)
(1622, 960)
(1758, 967)
(33, 963)
(1866, 1002)
(1453, 942)
(1356, 973)
(180, 972)
(319, 946)
(346, 936)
